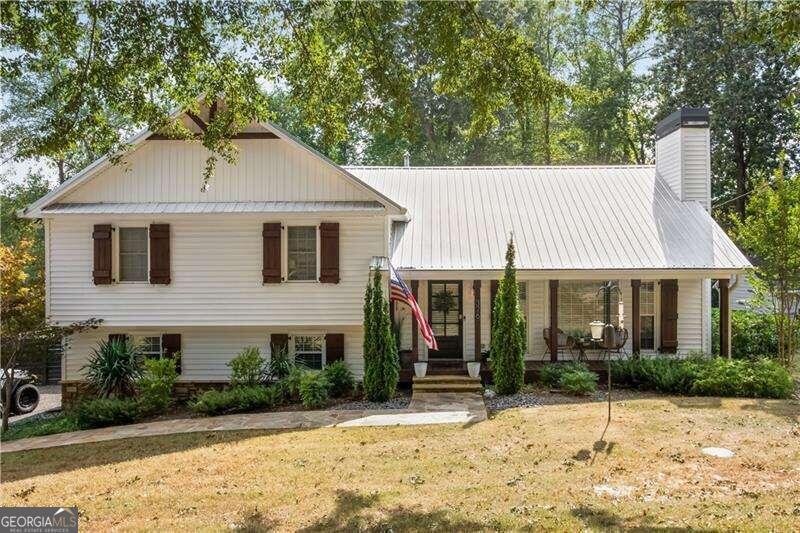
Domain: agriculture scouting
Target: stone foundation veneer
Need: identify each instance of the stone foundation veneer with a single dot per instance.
(73, 391)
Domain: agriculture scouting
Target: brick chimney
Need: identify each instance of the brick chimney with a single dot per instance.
(683, 154)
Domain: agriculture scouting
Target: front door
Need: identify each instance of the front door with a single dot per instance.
(445, 312)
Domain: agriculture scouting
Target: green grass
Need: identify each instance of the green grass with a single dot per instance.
(36, 427)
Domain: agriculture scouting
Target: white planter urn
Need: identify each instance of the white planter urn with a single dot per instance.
(596, 328)
(420, 369)
(474, 369)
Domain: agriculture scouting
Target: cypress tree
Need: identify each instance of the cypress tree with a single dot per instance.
(508, 332)
(381, 362)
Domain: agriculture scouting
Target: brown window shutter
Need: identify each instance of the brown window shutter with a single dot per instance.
(278, 342)
(329, 246)
(102, 254)
(119, 337)
(271, 235)
(159, 254)
(171, 345)
(669, 315)
(494, 285)
(334, 347)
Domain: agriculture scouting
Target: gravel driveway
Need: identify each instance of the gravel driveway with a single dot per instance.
(49, 398)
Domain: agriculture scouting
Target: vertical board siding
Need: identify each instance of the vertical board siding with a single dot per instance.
(216, 276)
(171, 171)
(206, 351)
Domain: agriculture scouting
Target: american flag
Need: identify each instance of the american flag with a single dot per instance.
(401, 293)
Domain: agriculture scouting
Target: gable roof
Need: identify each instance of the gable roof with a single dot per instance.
(36, 209)
(562, 218)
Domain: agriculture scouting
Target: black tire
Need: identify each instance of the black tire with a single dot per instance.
(26, 399)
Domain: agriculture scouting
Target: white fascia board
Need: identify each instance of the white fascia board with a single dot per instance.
(590, 274)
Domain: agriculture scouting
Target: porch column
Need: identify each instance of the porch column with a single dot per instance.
(476, 291)
(724, 318)
(414, 326)
(553, 320)
(636, 318)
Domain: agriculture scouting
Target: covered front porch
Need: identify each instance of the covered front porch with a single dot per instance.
(656, 312)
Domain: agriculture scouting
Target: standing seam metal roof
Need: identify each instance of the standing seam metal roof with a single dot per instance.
(588, 217)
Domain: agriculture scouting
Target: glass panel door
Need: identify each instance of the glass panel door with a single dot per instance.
(445, 314)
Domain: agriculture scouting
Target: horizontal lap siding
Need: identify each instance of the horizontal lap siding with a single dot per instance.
(216, 277)
(206, 351)
(690, 315)
(172, 171)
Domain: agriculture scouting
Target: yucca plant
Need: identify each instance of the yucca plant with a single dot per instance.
(114, 367)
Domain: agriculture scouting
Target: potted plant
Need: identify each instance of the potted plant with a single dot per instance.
(420, 369)
(474, 369)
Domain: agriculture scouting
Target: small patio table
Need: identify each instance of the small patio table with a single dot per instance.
(583, 344)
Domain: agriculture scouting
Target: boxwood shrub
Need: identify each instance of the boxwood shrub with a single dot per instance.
(578, 382)
(236, 400)
(761, 378)
(550, 374)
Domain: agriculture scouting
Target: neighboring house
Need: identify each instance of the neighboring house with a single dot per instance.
(277, 252)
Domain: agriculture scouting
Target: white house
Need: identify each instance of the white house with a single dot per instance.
(277, 252)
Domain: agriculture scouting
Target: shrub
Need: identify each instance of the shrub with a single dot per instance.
(102, 412)
(155, 385)
(236, 400)
(551, 373)
(381, 362)
(753, 335)
(280, 364)
(114, 367)
(508, 332)
(290, 385)
(705, 376)
(314, 390)
(578, 382)
(247, 368)
(340, 379)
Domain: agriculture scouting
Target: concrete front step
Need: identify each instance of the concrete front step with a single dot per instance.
(447, 387)
(446, 378)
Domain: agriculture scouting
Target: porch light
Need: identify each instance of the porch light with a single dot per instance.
(597, 329)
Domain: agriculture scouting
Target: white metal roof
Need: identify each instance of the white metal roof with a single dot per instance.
(213, 207)
(614, 217)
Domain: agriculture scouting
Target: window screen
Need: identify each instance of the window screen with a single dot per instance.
(133, 254)
(302, 253)
(582, 302)
(308, 350)
(647, 312)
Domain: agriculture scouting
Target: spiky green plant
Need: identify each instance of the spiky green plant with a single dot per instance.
(114, 367)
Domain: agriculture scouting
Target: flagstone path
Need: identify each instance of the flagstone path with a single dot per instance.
(425, 409)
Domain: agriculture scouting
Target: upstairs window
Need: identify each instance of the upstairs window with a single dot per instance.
(302, 253)
(133, 254)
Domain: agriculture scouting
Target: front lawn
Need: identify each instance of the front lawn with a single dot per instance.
(542, 467)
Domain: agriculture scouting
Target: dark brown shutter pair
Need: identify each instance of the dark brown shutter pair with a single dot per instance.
(171, 346)
(669, 315)
(334, 345)
(159, 254)
(329, 246)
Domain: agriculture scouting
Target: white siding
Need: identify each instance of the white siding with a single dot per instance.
(171, 171)
(683, 160)
(691, 320)
(206, 351)
(216, 276)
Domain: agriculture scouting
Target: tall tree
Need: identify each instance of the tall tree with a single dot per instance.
(508, 341)
(709, 56)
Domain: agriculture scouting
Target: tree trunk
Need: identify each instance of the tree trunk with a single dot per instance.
(547, 153)
(61, 174)
(741, 175)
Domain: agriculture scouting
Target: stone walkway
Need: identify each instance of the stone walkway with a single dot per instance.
(425, 409)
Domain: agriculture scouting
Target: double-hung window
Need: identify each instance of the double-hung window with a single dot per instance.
(308, 350)
(582, 302)
(647, 314)
(133, 257)
(151, 347)
(301, 253)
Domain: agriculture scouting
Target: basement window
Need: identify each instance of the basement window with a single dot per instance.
(308, 350)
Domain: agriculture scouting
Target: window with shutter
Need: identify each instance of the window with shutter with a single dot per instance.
(159, 254)
(101, 236)
(132, 254)
(329, 246)
(271, 237)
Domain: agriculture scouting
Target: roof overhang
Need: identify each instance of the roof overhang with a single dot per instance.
(192, 208)
(587, 274)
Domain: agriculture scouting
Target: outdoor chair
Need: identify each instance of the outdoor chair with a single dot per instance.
(564, 343)
(614, 340)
